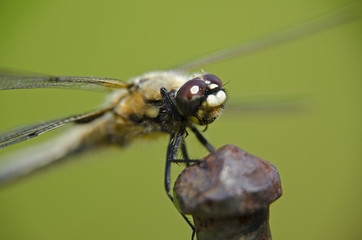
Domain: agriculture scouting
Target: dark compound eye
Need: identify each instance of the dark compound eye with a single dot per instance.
(211, 78)
(192, 88)
(189, 96)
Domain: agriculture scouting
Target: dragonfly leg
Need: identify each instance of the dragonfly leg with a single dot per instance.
(170, 105)
(202, 139)
(184, 152)
(185, 155)
(186, 161)
(172, 149)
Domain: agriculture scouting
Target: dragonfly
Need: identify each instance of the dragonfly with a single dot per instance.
(171, 102)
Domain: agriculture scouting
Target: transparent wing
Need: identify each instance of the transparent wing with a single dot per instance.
(270, 103)
(25, 133)
(338, 16)
(10, 79)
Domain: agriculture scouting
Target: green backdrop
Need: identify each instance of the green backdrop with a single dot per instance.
(118, 194)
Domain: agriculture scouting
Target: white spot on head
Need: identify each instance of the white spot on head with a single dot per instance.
(207, 81)
(213, 86)
(216, 100)
(221, 96)
(194, 89)
(211, 100)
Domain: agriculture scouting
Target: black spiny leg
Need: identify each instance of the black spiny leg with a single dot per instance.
(171, 154)
(173, 146)
(184, 152)
(202, 140)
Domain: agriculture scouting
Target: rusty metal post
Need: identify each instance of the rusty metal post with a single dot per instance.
(228, 195)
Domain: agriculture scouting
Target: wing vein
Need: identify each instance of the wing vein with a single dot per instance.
(19, 81)
(22, 134)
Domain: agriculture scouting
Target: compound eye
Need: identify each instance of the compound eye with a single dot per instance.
(212, 79)
(192, 88)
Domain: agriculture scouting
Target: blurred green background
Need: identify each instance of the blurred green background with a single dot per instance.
(118, 194)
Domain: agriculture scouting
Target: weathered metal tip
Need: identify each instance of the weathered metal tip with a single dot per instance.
(232, 185)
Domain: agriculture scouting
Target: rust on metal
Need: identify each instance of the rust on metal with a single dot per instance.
(228, 194)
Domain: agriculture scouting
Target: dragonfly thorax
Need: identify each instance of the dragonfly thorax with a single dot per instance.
(199, 100)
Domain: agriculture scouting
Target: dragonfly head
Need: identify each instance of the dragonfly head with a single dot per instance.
(201, 99)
